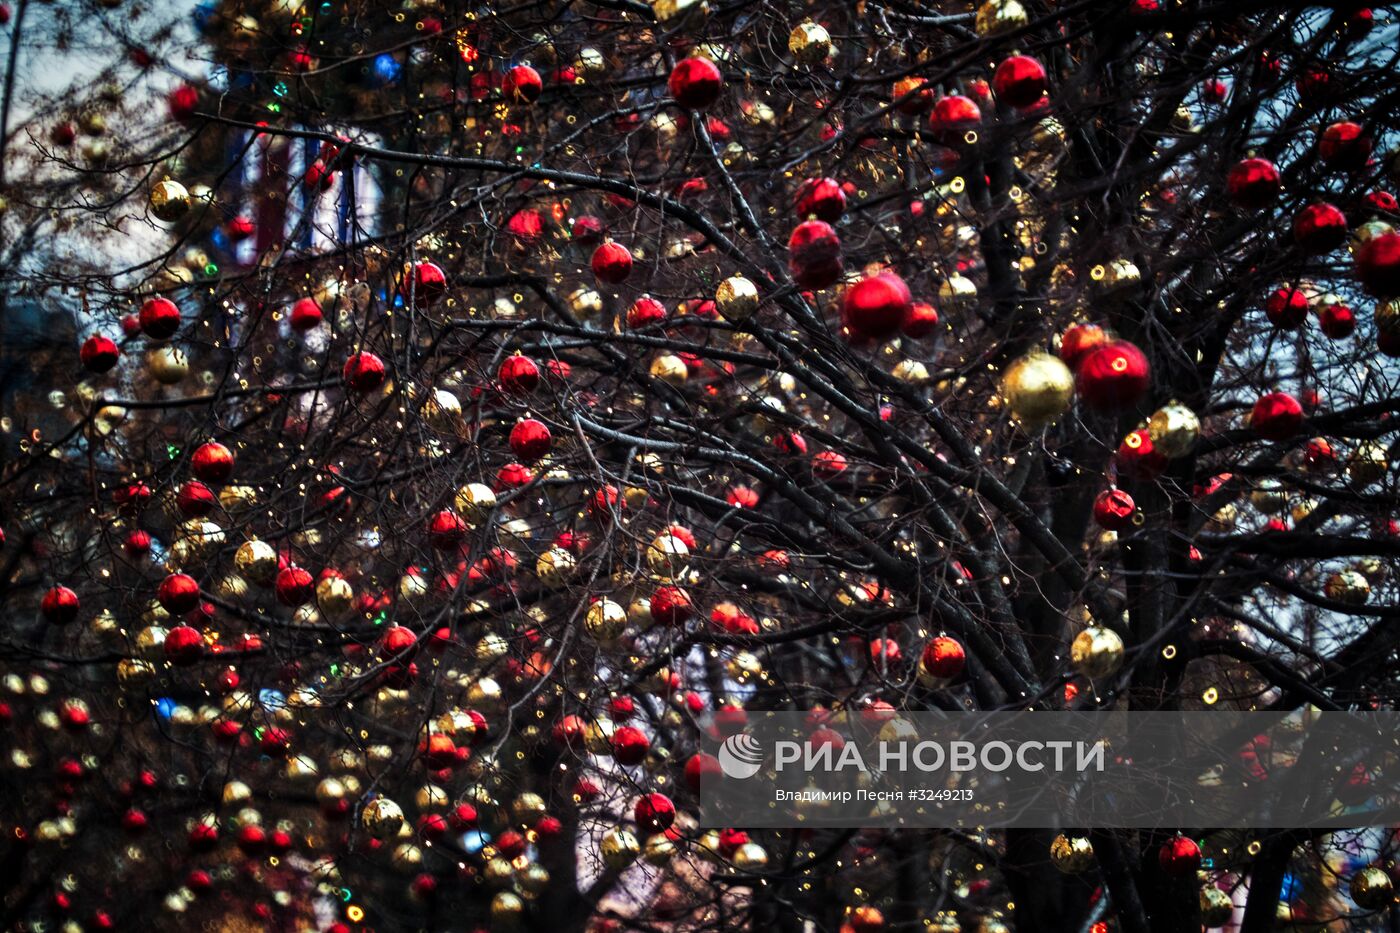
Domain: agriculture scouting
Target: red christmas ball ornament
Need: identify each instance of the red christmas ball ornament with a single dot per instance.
(588, 229)
(240, 228)
(294, 586)
(953, 118)
(426, 281)
(943, 658)
(530, 439)
(518, 374)
(921, 320)
(1019, 81)
(59, 605)
(159, 318)
(695, 83)
(1286, 308)
(99, 354)
(1377, 264)
(1215, 91)
(1276, 416)
(671, 605)
(611, 262)
(526, 228)
(364, 372)
(1336, 321)
(821, 198)
(701, 767)
(912, 95)
(212, 462)
(1320, 228)
(1345, 146)
(184, 101)
(814, 255)
(828, 464)
(522, 85)
(195, 500)
(1114, 510)
(306, 314)
(1179, 857)
(203, 837)
(1316, 87)
(644, 311)
(875, 307)
(630, 744)
(439, 751)
(446, 530)
(654, 813)
(63, 134)
(1253, 183)
(1113, 377)
(1139, 458)
(137, 544)
(1078, 341)
(178, 593)
(513, 476)
(184, 645)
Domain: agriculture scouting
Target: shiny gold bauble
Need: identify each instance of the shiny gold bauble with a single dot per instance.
(619, 848)
(256, 561)
(236, 792)
(1038, 388)
(668, 10)
(1096, 652)
(528, 808)
(1368, 463)
(168, 365)
(431, 797)
(533, 879)
(1174, 429)
(169, 200)
(1371, 888)
(1372, 568)
(957, 290)
(381, 818)
(666, 554)
(485, 693)
(237, 498)
(475, 501)
(443, 411)
(750, 857)
(334, 596)
(1388, 316)
(606, 620)
(133, 672)
(150, 643)
(406, 856)
(1216, 907)
(507, 908)
(330, 790)
(554, 567)
(911, 372)
(1119, 273)
(809, 43)
(736, 298)
(597, 736)
(1368, 231)
(1348, 586)
(659, 850)
(995, 17)
(670, 368)
(1071, 854)
(586, 303)
(1269, 497)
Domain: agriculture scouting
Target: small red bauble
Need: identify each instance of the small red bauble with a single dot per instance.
(875, 307)
(306, 314)
(1019, 81)
(1113, 377)
(611, 262)
(184, 101)
(212, 462)
(943, 658)
(953, 118)
(439, 751)
(654, 813)
(1378, 265)
(195, 500)
(587, 229)
(814, 254)
(513, 476)
(160, 318)
(1345, 146)
(526, 228)
(522, 85)
(1287, 308)
(184, 645)
(1114, 509)
(240, 228)
(530, 439)
(1139, 458)
(1337, 321)
(203, 837)
(828, 464)
(178, 593)
(137, 543)
(1276, 416)
(671, 605)
(644, 311)
(921, 320)
(912, 95)
(446, 530)
(821, 198)
(59, 605)
(426, 280)
(695, 83)
(1215, 91)
(518, 374)
(364, 372)
(1179, 857)
(1253, 183)
(294, 586)
(1078, 341)
(1320, 228)
(701, 766)
(630, 744)
(99, 353)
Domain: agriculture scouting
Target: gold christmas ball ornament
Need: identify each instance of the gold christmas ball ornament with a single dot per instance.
(750, 857)
(475, 501)
(133, 673)
(666, 554)
(995, 17)
(606, 620)
(1216, 907)
(554, 567)
(659, 850)
(912, 372)
(1071, 854)
(668, 10)
(256, 561)
(736, 298)
(1348, 586)
(507, 908)
(670, 368)
(169, 201)
(809, 43)
(1037, 388)
(1269, 497)
(1096, 652)
(168, 365)
(381, 818)
(528, 808)
(1371, 888)
(1364, 233)
(334, 596)
(443, 411)
(330, 790)
(1368, 463)
(619, 848)
(586, 303)
(1117, 274)
(1388, 316)
(957, 291)
(1174, 429)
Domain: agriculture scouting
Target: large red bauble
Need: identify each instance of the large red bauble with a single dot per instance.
(1337, 321)
(671, 605)
(1253, 183)
(364, 372)
(921, 320)
(99, 353)
(953, 118)
(1019, 81)
(1378, 265)
(195, 500)
(306, 314)
(644, 311)
(59, 605)
(1276, 416)
(1345, 146)
(184, 645)
(611, 262)
(530, 439)
(439, 751)
(701, 766)
(446, 530)
(943, 658)
(212, 462)
(178, 593)
(821, 198)
(654, 813)
(184, 101)
(518, 374)
(1320, 228)
(1179, 857)
(295, 586)
(522, 85)
(1113, 377)
(630, 744)
(525, 227)
(1078, 341)
(814, 254)
(160, 318)
(1286, 308)
(1139, 458)
(695, 83)
(426, 280)
(1114, 509)
(875, 307)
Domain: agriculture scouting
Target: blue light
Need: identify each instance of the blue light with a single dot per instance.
(165, 707)
(384, 70)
